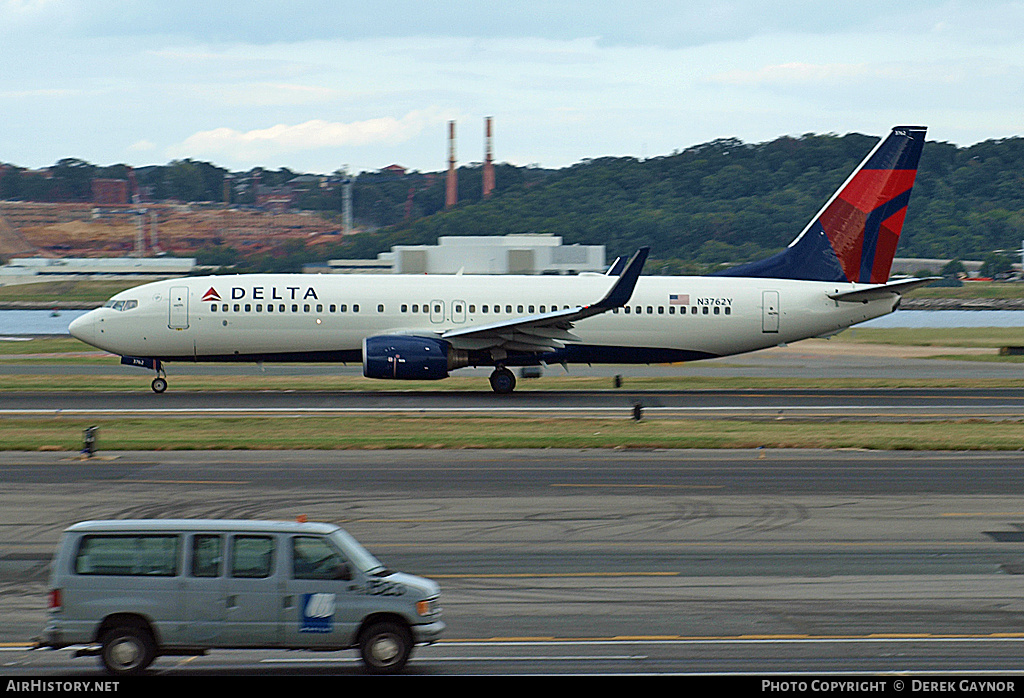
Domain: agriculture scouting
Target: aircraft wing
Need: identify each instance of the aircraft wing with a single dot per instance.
(547, 331)
(874, 292)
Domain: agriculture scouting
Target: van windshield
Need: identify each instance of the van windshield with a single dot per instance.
(357, 554)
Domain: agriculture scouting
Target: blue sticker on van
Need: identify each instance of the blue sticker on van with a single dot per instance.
(317, 613)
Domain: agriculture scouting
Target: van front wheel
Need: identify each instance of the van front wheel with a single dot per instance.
(385, 647)
(127, 650)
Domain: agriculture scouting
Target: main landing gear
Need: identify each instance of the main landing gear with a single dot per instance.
(503, 381)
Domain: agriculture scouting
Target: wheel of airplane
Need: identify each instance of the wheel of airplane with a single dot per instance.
(503, 381)
(159, 385)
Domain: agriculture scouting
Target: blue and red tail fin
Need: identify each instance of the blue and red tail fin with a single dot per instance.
(854, 237)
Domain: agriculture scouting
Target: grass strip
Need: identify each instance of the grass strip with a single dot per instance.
(418, 432)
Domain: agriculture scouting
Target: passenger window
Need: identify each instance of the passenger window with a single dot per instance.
(380, 308)
(248, 307)
(314, 558)
(128, 555)
(305, 308)
(280, 308)
(416, 308)
(206, 556)
(355, 307)
(728, 310)
(252, 557)
(405, 308)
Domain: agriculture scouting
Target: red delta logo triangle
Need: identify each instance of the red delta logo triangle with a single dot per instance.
(211, 295)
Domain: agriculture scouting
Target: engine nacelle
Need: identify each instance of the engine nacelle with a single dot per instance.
(406, 357)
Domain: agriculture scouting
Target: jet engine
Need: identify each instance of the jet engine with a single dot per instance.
(406, 357)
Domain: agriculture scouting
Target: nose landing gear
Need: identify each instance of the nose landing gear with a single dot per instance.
(159, 383)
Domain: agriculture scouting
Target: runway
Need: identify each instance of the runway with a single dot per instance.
(563, 561)
(994, 403)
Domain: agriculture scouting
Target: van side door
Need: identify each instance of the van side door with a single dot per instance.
(204, 581)
(252, 615)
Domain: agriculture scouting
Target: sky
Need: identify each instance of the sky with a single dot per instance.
(321, 85)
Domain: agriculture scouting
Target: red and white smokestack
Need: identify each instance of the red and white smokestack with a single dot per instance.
(488, 160)
(452, 184)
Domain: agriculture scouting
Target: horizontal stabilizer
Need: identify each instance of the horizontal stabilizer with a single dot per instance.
(863, 295)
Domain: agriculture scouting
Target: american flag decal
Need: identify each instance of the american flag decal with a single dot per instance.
(679, 299)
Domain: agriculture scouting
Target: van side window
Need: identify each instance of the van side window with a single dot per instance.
(252, 557)
(206, 556)
(313, 558)
(128, 555)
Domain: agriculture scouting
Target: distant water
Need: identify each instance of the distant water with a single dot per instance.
(949, 318)
(35, 322)
(19, 323)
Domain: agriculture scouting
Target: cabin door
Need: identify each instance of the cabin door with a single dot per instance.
(178, 318)
(769, 311)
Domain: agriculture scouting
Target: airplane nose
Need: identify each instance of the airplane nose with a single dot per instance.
(84, 327)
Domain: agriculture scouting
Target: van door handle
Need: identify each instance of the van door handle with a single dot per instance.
(231, 601)
(288, 601)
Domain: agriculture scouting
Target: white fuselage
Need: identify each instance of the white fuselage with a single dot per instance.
(268, 315)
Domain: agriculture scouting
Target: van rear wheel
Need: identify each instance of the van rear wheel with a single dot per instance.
(385, 647)
(127, 650)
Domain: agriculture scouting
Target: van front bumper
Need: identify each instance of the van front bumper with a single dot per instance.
(428, 633)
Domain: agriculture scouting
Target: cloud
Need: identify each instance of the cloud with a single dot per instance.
(310, 135)
(795, 74)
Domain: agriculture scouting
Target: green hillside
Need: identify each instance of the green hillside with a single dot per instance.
(728, 201)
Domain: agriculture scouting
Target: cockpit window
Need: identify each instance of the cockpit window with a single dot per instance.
(121, 305)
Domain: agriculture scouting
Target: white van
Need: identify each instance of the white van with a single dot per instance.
(144, 588)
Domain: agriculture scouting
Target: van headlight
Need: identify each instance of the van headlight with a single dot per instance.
(428, 607)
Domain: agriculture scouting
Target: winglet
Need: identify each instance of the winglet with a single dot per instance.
(620, 293)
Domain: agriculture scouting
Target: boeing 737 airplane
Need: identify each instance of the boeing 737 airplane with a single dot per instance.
(833, 275)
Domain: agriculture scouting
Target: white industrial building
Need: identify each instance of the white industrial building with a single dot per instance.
(34, 269)
(508, 254)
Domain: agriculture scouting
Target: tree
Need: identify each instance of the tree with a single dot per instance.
(996, 265)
